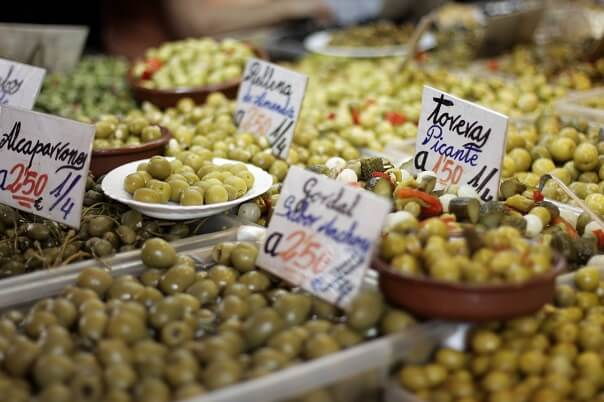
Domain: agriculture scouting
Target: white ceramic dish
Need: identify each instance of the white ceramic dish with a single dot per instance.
(318, 42)
(113, 186)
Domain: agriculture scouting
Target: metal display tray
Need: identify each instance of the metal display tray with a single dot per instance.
(357, 374)
(216, 229)
(572, 106)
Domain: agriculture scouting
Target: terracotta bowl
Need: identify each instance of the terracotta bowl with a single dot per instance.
(164, 98)
(433, 298)
(105, 160)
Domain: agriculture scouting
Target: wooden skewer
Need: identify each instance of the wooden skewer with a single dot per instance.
(420, 29)
(545, 178)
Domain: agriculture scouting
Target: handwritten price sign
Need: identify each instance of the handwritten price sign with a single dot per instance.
(269, 102)
(322, 235)
(19, 83)
(44, 165)
(463, 143)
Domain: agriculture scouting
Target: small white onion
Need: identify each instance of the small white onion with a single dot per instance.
(395, 218)
(336, 163)
(425, 174)
(467, 191)
(534, 226)
(249, 212)
(591, 227)
(569, 217)
(445, 199)
(347, 176)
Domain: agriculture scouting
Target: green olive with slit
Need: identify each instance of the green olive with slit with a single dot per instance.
(191, 196)
(177, 187)
(133, 182)
(147, 195)
(216, 193)
(163, 189)
(159, 168)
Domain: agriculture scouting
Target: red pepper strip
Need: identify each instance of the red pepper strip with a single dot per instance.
(356, 116)
(538, 196)
(151, 67)
(600, 236)
(421, 56)
(493, 65)
(568, 228)
(384, 175)
(433, 206)
(331, 116)
(395, 118)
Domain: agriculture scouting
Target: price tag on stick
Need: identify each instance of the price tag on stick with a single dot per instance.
(460, 141)
(19, 83)
(44, 165)
(322, 235)
(269, 102)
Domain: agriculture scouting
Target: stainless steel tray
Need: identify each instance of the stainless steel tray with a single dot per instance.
(354, 372)
(28, 287)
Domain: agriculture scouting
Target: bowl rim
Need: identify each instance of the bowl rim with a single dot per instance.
(559, 267)
(259, 52)
(166, 135)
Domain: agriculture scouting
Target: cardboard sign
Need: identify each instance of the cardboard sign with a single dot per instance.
(322, 234)
(269, 102)
(463, 143)
(56, 48)
(19, 84)
(44, 164)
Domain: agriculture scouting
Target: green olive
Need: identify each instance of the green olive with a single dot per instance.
(159, 168)
(158, 253)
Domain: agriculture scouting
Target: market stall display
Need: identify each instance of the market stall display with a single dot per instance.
(95, 87)
(192, 68)
(133, 306)
(174, 331)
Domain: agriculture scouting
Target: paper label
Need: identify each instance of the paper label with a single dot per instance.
(19, 84)
(322, 235)
(460, 141)
(269, 102)
(44, 164)
(56, 48)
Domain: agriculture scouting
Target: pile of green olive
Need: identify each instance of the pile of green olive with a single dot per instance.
(570, 154)
(95, 87)
(190, 179)
(553, 355)
(499, 255)
(381, 33)
(133, 130)
(175, 332)
(192, 63)
(29, 243)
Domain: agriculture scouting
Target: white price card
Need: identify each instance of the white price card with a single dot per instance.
(55, 47)
(19, 83)
(322, 235)
(269, 102)
(460, 141)
(44, 164)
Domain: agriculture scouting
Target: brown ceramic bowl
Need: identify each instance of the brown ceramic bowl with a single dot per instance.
(164, 98)
(433, 298)
(105, 160)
